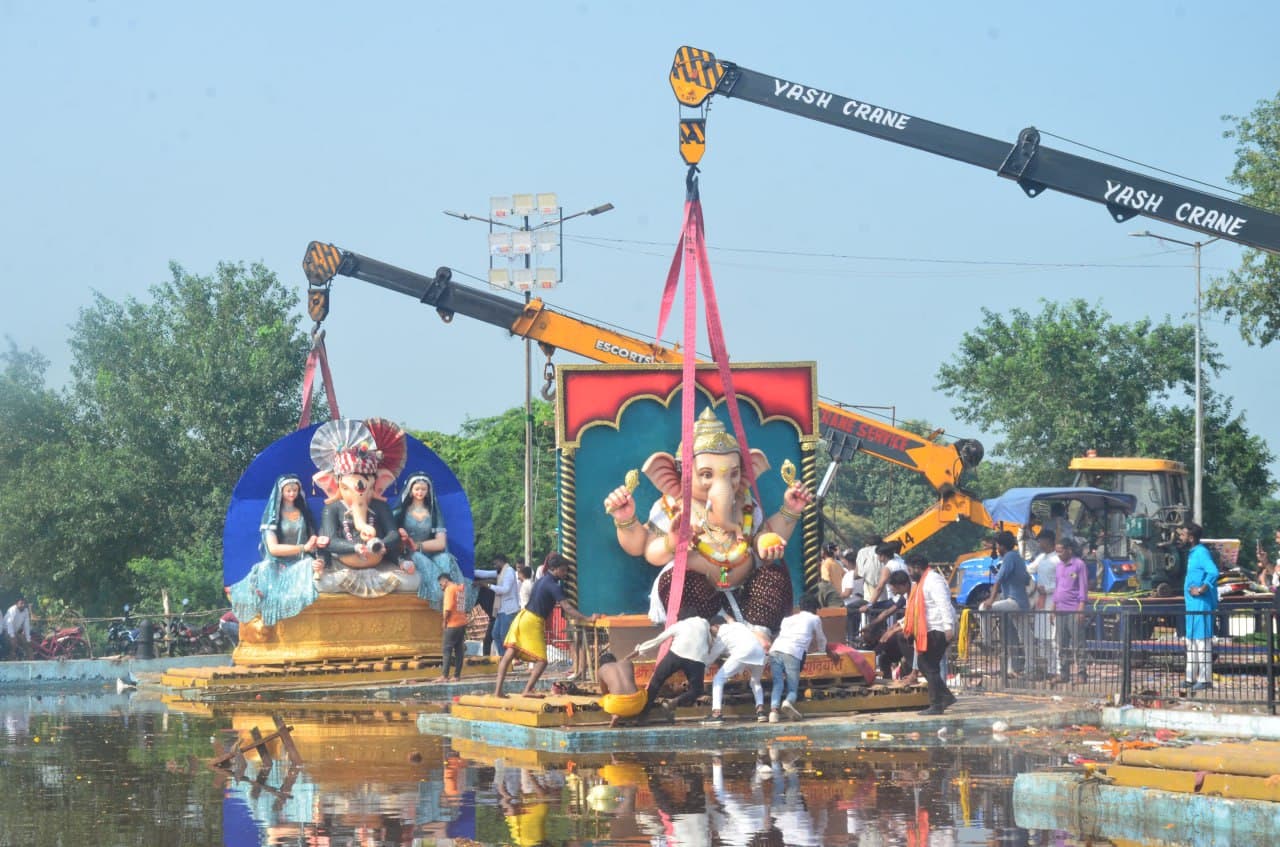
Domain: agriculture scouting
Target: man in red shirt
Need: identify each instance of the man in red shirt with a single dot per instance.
(455, 628)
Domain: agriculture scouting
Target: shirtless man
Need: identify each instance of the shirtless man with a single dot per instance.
(621, 698)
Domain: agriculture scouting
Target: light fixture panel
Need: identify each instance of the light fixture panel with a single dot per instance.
(522, 205)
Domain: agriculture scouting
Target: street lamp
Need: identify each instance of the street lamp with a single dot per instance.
(1197, 497)
(512, 241)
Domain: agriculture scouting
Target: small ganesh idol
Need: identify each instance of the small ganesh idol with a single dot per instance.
(357, 461)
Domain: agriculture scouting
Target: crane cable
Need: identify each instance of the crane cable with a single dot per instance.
(318, 309)
(692, 247)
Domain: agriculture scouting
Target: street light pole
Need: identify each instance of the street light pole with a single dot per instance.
(556, 275)
(1197, 498)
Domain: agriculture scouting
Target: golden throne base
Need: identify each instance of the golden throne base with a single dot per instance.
(339, 627)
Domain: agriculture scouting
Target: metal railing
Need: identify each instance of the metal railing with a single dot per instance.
(1125, 653)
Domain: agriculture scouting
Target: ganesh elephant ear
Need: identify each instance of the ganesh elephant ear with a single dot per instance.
(383, 482)
(327, 481)
(661, 470)
(759, 462)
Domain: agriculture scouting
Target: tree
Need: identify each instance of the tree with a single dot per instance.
(1069, 379)
(170, 401)
(487, 456)
(1251, 294)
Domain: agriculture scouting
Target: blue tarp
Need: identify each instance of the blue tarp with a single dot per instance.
(1014, 506)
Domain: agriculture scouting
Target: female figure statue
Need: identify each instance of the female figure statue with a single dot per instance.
(423, 541)
(283, 583)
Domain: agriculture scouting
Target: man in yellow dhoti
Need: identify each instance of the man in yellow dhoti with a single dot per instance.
(527, 638)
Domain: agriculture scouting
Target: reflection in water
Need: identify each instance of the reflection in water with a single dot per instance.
(772, 796)
(129, 773)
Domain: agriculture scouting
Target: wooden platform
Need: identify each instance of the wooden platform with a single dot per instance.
(1245, 771)
(552, 710)
(319, 674)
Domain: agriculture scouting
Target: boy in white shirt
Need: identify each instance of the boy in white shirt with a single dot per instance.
(744, 645)
(852, 588)
(798, 634)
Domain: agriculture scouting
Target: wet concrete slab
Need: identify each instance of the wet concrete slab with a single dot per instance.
(1091, 808)
(972, 717)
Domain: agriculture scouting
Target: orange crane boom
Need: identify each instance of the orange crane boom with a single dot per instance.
(845, 430)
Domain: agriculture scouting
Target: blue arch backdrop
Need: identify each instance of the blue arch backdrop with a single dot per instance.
(292, 454)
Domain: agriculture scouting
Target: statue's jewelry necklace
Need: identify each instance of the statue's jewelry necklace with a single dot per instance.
(723, 553)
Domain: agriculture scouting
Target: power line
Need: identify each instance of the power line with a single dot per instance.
(615, 244)
(1174, 174)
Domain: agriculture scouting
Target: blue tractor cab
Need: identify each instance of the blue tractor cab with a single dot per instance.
(1024, 508)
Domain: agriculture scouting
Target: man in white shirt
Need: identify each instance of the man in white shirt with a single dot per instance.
(1044, 579)
(930, 622)
(691, 642)
(506, 597)
(888, 561)
(745, 647)
(852, 588)
(17, 628)
(867, 565)
(797, 636)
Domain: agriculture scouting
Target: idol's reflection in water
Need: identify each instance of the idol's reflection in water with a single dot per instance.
(774, 795)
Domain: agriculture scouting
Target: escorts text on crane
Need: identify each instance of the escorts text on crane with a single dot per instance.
(844, 429)
(697, 75)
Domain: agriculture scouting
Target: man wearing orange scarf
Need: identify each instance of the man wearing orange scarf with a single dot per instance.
(930, 623)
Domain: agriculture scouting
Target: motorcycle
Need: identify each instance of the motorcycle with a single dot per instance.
(67, 642)
(181, 639)
(123, 635)
(215, 638)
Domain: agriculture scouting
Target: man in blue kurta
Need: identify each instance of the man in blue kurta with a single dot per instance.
(1200, 596)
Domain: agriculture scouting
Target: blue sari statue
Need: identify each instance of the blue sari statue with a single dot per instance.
(283, 583)
(422, 531)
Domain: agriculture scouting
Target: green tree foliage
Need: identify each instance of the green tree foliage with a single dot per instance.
(1251, 294)
(1069, 379)
(487, 456)
(171, 399)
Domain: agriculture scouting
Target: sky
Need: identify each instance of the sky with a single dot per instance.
(144, 133)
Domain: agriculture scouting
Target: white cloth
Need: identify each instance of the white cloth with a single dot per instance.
(690, 639)
(800, 634)
(18, 620)
(526, 589)
(506, 592)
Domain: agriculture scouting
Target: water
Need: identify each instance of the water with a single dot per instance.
(110, 770)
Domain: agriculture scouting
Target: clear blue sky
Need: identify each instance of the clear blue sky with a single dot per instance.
(139, 133)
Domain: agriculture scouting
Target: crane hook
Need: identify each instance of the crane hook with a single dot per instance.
(549, 381)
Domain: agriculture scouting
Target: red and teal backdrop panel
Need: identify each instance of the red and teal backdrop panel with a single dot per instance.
(610, 418)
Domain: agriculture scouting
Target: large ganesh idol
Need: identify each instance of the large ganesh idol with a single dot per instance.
(753, 549)
(734, 557)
